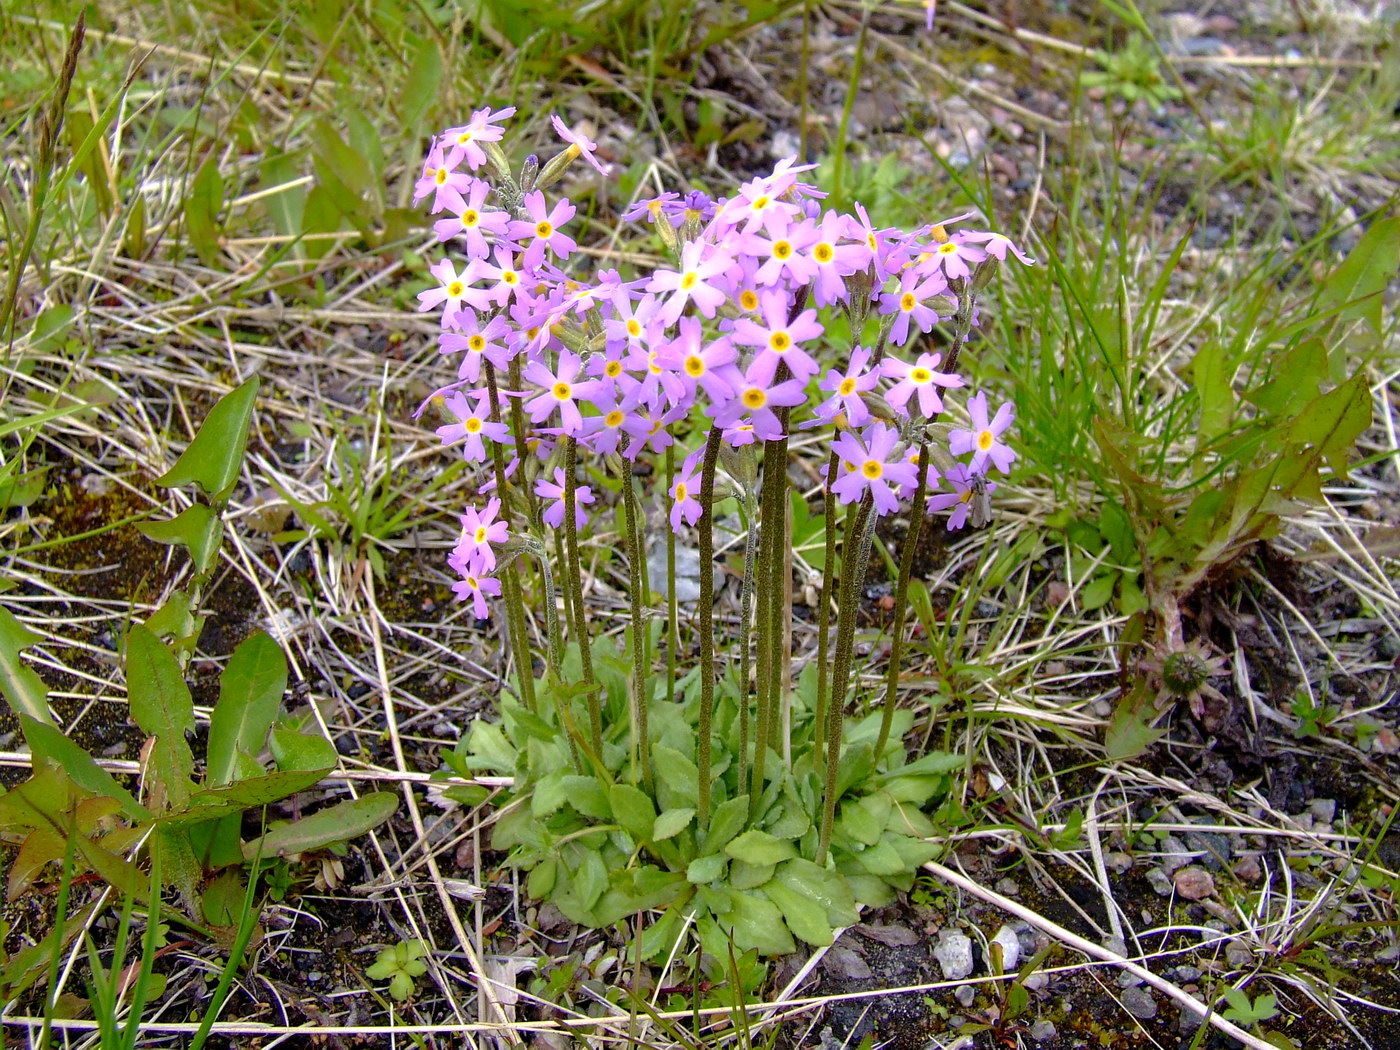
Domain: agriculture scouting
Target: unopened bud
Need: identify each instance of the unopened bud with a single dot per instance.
(879, 407)
(982, 275)
(667, 233)
(741, 464)
(554, 168)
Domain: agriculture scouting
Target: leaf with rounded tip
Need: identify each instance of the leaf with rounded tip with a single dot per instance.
(250, 695)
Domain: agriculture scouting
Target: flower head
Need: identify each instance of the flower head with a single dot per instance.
(871, 463)
(554, 491)
(981, 440)
(580, 145)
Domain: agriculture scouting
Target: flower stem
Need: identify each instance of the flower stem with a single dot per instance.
(575, 584)
(746, 594)
(771, 564)
(824, 616)
(705, 614)
(855, 555)
(901, 598)
(511, 591)
(636, 571)
(673, 634)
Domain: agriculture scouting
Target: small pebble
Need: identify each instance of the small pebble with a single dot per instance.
(1036, 982)
(1159, 881)
(954, 954)
(1042, 1031)
(1010, 948)
(1247, 869)
(965, 995)
(1324, 810)
(1174, 854)
(1188, 973)
(1118, 862)
(1139, 1003)
(1238, 955)
(1194, 883)
(1008, 887)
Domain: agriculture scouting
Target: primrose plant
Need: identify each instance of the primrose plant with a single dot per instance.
(724, 794)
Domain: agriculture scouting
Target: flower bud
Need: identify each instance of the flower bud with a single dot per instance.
(741, 464)
(668, 234)
(982, 275)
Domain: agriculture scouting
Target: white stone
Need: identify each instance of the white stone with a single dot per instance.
(954, 954)
(1010, 948)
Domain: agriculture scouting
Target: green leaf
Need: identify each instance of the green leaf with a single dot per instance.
(260, 790)
(726, 821)
(816, 883)
(196, 527)
(202, 207)
(1117, 528)
(295, 751)
(591, 879)
(25, 690)
(749, 876)
(758, 847)
(1130, 732)
(47, 743)
(757, 923)
(804, 916)
(881, 859)
(671, 823)
(677, 772)
(160, 704)
(423, 82)
(1358, 284)
(250, 696)
(1331, 424)
(1099, 591)
(1214, 390)
(215, 456)
(489, 748)
(542, 878)
(588, 796)
(633, 809)
(706, 869)
(1299, 375)
(340, 823)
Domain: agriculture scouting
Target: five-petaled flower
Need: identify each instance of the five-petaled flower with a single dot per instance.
(982, 440)
(872, 463)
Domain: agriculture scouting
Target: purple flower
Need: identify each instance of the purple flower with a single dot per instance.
(579, 143)
(462, 143)
(471, 219)
(559, 392)
(968, 496)
(472, 425)
(480, 529)
(474, 342)
(911, 304)
(685, 491)
(554, 514)
(475, 587)
(920, 378)
(650, 209)
(870, 463)
(778, 338)
(700, 263)
(756, 396)
(846, 388)
(981, 440)
(542, 228)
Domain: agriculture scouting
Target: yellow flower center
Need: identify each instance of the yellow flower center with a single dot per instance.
(470, 218)
(694, 366)
(782, 250)
(476, 343)
(947, 248)
(472, 425)
(907, 302)
(440, 176)
(481, 534)
(455, 289)
(562, 391)
(652, 366)
(985, 440)
(464, 137)
(762, 202)
(510, 277)
(689, 281)
(823, 253)
(681, 491)
(754, 398)
(779, 342)
(614, 419)
(544, 230)
(920, 375)
(748, 299)
(612, 369)
(654, 207)
(847, 387)
(872, 469)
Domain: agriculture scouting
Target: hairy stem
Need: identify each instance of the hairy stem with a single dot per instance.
(705, 614)
(575, 584)
(901, 598)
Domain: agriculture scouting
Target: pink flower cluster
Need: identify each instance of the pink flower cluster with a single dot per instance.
(733, 331)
